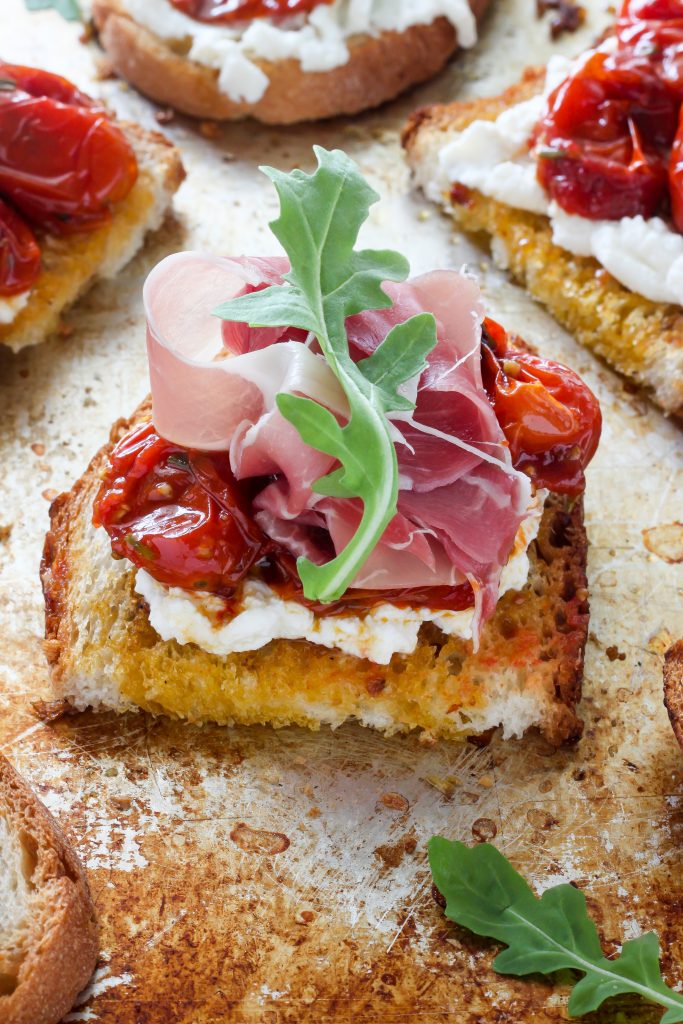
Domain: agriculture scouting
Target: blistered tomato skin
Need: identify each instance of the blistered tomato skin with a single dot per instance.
(68, 187)
(37, 82)
(19, 253)
(550, 418)
(62, 166)
(226, 11)
(178, 514)
(604, 143)
(676, 178)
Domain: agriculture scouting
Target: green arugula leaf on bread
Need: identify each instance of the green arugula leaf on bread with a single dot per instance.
(320, 218)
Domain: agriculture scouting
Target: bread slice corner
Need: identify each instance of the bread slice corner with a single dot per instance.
(104, 653)
(71, 264)
(641, 339)
(673, 687)
(48, 931)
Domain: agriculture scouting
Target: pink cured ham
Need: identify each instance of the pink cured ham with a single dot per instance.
(214, 387)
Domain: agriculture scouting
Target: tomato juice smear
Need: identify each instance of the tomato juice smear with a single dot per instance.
(182, 516)
(610, 141)
(63, 163)
(227, 12)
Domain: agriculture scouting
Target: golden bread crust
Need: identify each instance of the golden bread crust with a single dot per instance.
(379, 68)
(673, 687)
(99, 641)
(61, 947)
(641, 339)
(71, 264)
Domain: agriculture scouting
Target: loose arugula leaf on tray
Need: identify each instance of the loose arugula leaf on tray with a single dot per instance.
(484, 893)
(320, 217)
(68, 9)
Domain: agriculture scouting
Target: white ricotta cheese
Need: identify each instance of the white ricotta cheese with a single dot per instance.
(12, 306)
(493, 157)
(319, 40)
(177, 614)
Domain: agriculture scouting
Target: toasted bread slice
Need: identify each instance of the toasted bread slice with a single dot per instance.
(673, 687)
(379, 68)
(72, 264)
(48, 933)
(641, 339)
(103, 652)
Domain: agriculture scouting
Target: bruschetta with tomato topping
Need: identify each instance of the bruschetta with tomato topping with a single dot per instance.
(352, 496)
(281, 61)
(575, 175)
(78, 193)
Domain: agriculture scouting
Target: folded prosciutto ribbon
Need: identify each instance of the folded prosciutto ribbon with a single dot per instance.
(214, 387)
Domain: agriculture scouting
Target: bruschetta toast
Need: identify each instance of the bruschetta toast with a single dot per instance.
(605, 267)
(281, 63)
(48, 932)
(205, 566)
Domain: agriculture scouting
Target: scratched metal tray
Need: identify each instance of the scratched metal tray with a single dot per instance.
(250, 875)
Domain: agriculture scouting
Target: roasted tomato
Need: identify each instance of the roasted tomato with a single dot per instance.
(19, 253)
(603, 138)
(676, 177)
(550, 418)
(66, 187)
(179, 514)
(37, 82)
(244, 10)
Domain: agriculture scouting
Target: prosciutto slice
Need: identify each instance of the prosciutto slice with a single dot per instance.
(214, 387)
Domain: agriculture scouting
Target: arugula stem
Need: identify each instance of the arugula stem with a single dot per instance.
(588, 967)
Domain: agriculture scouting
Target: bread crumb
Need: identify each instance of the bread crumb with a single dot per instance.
(209, 129)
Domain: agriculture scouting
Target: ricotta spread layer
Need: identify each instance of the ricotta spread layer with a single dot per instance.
(11, 307)
(493, 157)
(262, 616)
(318, 40)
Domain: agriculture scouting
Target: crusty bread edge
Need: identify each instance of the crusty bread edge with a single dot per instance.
(63, 956)
(659, 366)
(562, 724)
(673, 687)
(161, 174)
(380, 67)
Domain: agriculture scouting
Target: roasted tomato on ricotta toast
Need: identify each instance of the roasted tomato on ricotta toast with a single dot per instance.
(67, 169)
(351, 468)
(576, 175)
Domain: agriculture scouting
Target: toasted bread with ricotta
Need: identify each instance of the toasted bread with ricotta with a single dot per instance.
(673, 687)
(48, 933)
(641, 339)
(104, 653)
(71, 264)
(380, 67)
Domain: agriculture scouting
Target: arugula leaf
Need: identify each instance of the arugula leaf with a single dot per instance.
(320, 217)
(484, 893)
(68, 9)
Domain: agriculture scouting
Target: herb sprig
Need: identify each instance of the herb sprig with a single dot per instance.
(320, 218)
(68, 9)
(484, 893)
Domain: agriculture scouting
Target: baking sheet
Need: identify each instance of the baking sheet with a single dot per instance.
(251, 875)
